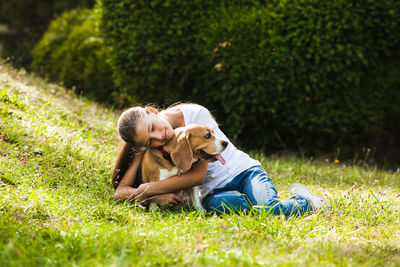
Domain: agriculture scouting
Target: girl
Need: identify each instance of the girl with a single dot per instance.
(238, 186)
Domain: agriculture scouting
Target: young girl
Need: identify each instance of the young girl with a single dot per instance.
(238, 186)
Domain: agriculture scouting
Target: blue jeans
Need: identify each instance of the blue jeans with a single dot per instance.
(249, 188)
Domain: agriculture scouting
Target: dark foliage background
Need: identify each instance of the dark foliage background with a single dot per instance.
(73, 52)
(26, 20)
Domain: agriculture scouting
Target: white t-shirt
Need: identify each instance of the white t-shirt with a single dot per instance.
(237, 161)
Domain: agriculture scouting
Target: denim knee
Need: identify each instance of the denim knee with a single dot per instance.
(227, 202)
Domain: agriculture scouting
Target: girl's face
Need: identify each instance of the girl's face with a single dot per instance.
(153, 130)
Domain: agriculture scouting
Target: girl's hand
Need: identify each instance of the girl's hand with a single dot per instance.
(125, 192)
(129, 193)
(168, 200)
(140, 195)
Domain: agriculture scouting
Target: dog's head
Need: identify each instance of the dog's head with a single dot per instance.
(196, 141)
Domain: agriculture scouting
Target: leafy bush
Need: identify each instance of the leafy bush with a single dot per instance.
(26, 21)
(72, 52)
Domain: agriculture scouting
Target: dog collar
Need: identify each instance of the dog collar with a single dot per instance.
(165, 154)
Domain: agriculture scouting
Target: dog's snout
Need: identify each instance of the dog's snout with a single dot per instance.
(224, 144)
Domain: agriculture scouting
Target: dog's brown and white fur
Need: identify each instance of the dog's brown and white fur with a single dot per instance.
(188, 145)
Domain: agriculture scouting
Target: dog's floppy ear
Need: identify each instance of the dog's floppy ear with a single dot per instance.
(182, 155)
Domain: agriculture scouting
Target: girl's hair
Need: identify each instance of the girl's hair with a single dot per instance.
(127, 123)
(127, 130)
(124, 160)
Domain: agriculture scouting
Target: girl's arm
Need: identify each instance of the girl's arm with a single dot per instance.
(126, 191)
(196, 176)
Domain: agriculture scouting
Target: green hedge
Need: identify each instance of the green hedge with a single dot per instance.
(307, 74)
(278, 74)
(157, 46)
(72, 51)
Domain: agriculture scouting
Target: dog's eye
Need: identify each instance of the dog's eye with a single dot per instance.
(207, 136)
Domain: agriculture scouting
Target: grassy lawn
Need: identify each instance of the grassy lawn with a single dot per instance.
(56, 156)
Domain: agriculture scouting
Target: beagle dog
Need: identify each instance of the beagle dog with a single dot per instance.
(188, 145)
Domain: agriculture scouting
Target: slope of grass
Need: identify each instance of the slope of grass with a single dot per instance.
(56, 155)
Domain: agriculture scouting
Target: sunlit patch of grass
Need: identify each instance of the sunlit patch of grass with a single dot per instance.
(56, 155)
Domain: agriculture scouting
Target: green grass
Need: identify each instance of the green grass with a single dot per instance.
(56, 155)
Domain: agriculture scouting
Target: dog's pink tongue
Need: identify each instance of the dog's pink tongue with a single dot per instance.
(220, 158)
